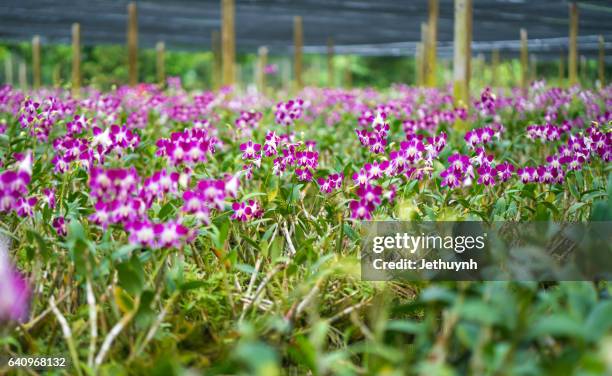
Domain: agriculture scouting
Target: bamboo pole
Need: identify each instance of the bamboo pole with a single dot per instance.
(8, 69)
(418, 64)
(330, 62)
(57, 75)
(601, 66)
(228, 42)
(23, 75)
(432, 39)
(261, 66)
(573, 44)
(298, 41)
(469, 46)
(425, 53)
(76, 59)
(132, 42)
(160, 65)
(524, 62)
(36, 62)
(495, 67)
(461, 52)
(215, 42)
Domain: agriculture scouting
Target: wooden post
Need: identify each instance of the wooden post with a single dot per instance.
(573, 44)
(261, 67)
(469, 46)
(524, 62)
(601, 66)
(215, 43)
(330, 62)
(160, 48)
(76, 59)
(418, 64)
(132, 41)
(425, 53)
(495, 67)
(36, 62)
(228, 42)
(23, 75)
(432, 39)
(461, 52)
(8, 69)
(298, 41)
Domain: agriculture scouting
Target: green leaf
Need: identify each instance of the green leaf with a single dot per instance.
(575, 206)
(405, 326)
(599, 321)
(557, 325)
(131, 276)
(166, 211)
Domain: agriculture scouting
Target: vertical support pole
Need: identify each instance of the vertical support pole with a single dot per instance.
(298, 41)
(228, 43)
(160, 65)
(76, 59)
(261, 66)
(495, 67)
(418, 64)
(461, 51)
(132, 42)
(432, 39)
(23, 75)
(524, 62)
(330, 62)
(425, 52)
(8, 69)
(469, 46)
(601, 66)
(36, 62)
(573, 44)
(215, 43)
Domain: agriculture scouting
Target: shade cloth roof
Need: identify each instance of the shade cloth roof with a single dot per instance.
(364, 27)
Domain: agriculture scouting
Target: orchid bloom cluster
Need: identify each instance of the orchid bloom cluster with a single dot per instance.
(14, 290)
(85, 152)
(40, 118)
(120, 199)
(545, 133)
(14, 187)
(248, 120)
(429, 122)
(481, 136)
(209, 194)
(305, 159)
(486, 106)
(188, 147)
(376, 140)
(288, 112)
(578, 150)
